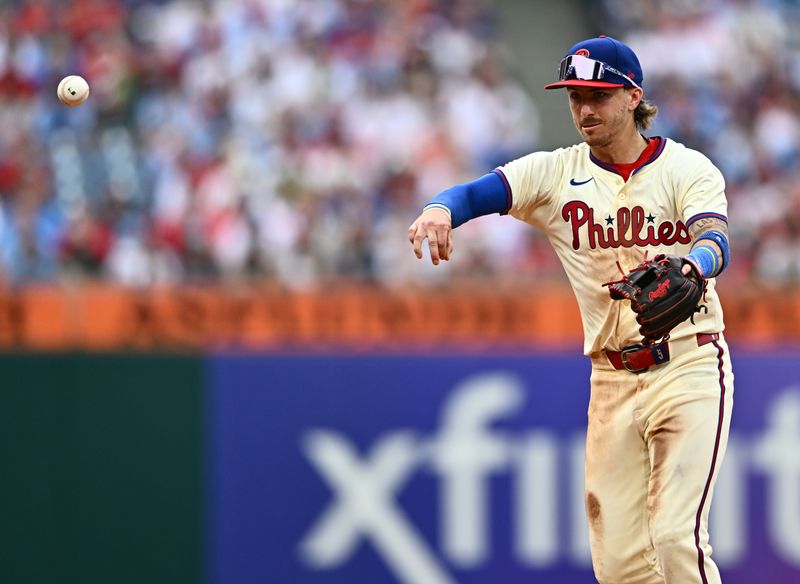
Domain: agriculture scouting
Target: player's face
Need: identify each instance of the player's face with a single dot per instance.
(601, 114)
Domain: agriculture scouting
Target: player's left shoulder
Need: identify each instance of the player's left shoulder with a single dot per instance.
(686, 157)
(688, 163)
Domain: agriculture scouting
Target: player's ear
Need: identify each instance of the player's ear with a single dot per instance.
(635, 95)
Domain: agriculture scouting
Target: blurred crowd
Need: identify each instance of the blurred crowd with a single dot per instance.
(285, 139)
(295, 140)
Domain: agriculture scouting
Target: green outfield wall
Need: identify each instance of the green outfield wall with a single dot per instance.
(100, 469)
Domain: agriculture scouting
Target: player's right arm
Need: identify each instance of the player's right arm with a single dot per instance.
(453, 207)
(515, 188)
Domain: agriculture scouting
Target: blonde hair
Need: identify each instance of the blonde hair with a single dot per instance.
(644, 114)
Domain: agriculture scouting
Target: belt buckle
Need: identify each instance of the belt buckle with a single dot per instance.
(624, 354)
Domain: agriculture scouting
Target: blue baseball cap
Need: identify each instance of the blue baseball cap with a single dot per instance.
(599, 62)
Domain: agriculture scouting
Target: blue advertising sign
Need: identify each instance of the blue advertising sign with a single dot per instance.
(458, 470)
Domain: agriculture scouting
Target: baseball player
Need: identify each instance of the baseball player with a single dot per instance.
(660, 410)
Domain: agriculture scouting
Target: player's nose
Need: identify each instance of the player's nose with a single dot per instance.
(586, 111)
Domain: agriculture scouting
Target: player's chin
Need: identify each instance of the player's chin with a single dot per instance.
(593, 136)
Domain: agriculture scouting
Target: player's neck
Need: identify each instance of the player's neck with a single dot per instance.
(625, 149)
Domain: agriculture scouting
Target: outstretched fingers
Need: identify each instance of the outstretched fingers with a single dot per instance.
(415, 237)
(445, 240)
(417, 234)
(434, 226)
(433, 245)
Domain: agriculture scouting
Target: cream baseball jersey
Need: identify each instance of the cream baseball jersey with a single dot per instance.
(594, 219)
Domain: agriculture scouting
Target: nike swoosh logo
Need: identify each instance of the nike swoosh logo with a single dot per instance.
(576, 183)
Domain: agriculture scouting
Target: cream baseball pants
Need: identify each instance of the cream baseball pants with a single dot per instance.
(654, 446)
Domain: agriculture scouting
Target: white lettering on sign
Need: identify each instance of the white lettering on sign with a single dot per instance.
(465, 453)
(468, 449)
(365, 506)
(777, 454)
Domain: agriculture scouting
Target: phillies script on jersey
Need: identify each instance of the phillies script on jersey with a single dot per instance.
(631, 228)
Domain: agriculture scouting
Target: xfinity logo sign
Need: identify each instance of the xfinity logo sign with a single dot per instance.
(464, 453)
(468, 449)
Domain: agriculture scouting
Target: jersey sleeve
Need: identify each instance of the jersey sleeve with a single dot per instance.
(703, 192)
(530, 180)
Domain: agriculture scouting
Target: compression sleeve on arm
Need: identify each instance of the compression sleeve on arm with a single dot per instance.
(706, 257)
(486, 195)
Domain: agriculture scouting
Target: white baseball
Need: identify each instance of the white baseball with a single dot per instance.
(73, 90)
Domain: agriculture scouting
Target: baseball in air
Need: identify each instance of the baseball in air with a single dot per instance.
(73, 90)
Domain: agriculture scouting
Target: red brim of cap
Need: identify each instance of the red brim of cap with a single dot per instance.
(582, 83)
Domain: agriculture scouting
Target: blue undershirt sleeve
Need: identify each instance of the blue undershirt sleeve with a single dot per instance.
(484, 196)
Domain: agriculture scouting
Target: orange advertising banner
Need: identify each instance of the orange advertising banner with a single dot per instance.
(103, 317)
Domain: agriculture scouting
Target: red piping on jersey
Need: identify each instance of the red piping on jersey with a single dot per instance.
(509, 199)
(699, 216)
(659, 149)
(720, 418)
(653, 150)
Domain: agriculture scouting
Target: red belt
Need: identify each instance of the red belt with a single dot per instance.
(639, 358)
